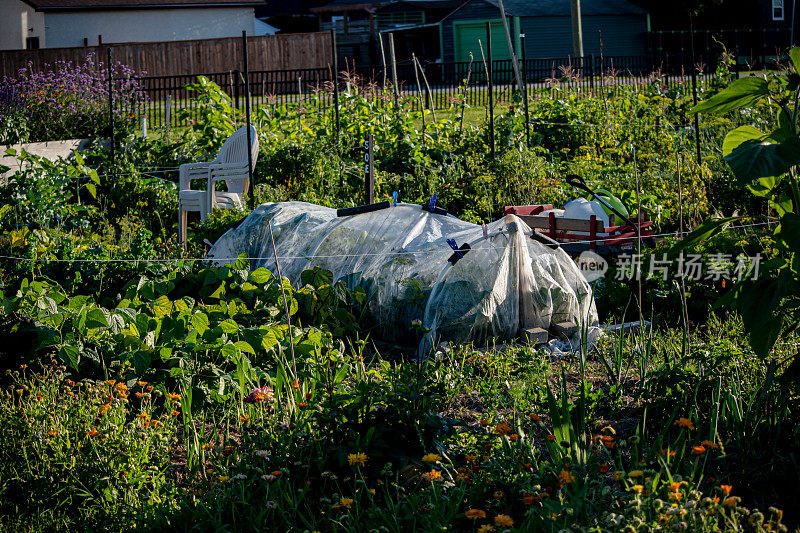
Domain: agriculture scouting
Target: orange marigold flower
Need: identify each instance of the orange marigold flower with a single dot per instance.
(301, 404)
(228, 450)
(528, 466)
(295, 384)
(677, 496)
(470, 458)
(142, 384)
(110, 382)
(139, 395)
(730, 502)
(551, 437)
(484, 422)
(530, 499)
(602, 468)
(684, 423)
(637, 488)
(698, 450)
(670, 453)
(502, 429)
(105, 407)
(498, 494)
(71, 383)
(433, 475)
(608, 441)
(475, 514)
(503, 520)
(709, 444)
(175, 413)
(52, 433)
(92, 432)
(675, 485)
(535, 417)
(566, 477)
(149, 388)
(514, 437)
(726, 489)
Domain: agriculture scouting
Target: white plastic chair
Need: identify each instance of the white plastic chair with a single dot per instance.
(230, 166)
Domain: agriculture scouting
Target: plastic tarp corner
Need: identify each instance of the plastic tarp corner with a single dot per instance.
(503, 283)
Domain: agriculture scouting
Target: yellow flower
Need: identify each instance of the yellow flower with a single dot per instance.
(142, 384)
(684, 423)
(485, 528)
(474, 514)
(498, 494)
(635, 473)
(503, 520)
(223, 479)
(346, 502)
(431, 458)
(358, 458)
(637, 488)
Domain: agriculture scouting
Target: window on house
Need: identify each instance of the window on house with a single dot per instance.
(32, 43)
(777, 9)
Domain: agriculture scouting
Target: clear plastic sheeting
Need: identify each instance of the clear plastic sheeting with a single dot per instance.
(505, 283)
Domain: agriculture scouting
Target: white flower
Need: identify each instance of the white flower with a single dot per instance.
(240, 477)
(264, 454)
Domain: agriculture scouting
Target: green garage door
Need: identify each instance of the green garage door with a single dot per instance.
(467, 33)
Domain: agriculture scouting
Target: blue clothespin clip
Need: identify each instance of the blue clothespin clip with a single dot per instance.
(458, 253)
(394, 196)
(454, 246)
(432, 203)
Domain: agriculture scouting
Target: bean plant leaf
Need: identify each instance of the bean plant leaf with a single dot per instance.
(70, 355)
(260, 276)
(97, 318)
(162, 306)
(743, 92)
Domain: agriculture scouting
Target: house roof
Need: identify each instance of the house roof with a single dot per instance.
(75, 5)
(556, 8)
(341, 5)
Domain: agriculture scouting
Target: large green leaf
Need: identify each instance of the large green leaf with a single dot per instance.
(789, 231)
(743, 92)
(742, 134)
(758, 159)
(794, 55)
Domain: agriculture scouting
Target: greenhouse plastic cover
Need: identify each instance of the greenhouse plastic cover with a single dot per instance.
(505, 283)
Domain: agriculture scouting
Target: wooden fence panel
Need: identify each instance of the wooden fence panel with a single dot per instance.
(169, 58)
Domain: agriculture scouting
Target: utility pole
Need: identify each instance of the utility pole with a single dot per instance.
(577, 28)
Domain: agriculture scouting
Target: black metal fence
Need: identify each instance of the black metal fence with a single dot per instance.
(442, 84)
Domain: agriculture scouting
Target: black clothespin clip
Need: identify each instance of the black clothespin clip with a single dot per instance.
(458, 253)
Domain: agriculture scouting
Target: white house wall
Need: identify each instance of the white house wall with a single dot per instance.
(125, 26)
(19, 21)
